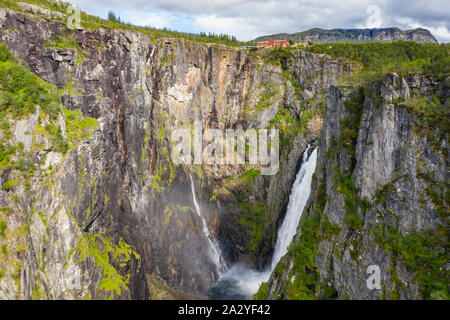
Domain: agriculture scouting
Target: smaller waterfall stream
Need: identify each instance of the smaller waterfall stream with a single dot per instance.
(214, 253)
(240, 282)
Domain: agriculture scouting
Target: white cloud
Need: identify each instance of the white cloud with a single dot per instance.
(156, 20)
(234, 26)
(248, 19)
(440, 32)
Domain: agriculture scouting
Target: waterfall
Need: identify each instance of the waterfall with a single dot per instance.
(214, 251)
(297, 201)
(241, 282)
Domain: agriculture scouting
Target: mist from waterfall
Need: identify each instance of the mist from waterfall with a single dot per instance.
(240, 282)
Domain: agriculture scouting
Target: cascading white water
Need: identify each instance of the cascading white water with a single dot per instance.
(241, 282)
(214, 253)
(297, 201)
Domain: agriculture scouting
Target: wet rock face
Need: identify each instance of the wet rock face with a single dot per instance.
(120, 188)
(379, 175)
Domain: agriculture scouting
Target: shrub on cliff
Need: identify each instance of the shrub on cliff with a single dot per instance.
(397, 56)
(21, 91)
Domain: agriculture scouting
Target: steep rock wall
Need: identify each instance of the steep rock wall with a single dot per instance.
(122, 209)
(378, 197)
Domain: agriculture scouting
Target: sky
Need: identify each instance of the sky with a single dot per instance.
(248, 19)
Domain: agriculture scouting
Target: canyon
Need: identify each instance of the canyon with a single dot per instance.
(112, 216)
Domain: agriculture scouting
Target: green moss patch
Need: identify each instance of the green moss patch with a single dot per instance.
(110, 259)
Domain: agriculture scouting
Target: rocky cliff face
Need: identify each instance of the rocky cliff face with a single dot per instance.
(113, 217)
(378, 198)
(93, 206)
(356, 35)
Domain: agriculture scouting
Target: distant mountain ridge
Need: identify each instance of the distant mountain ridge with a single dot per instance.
(355, 35)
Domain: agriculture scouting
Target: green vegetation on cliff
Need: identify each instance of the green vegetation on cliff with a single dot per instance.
(21, 90)
(111, 259)
(398, 56)
(423, 252)
(66, 42)
(431, 115)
